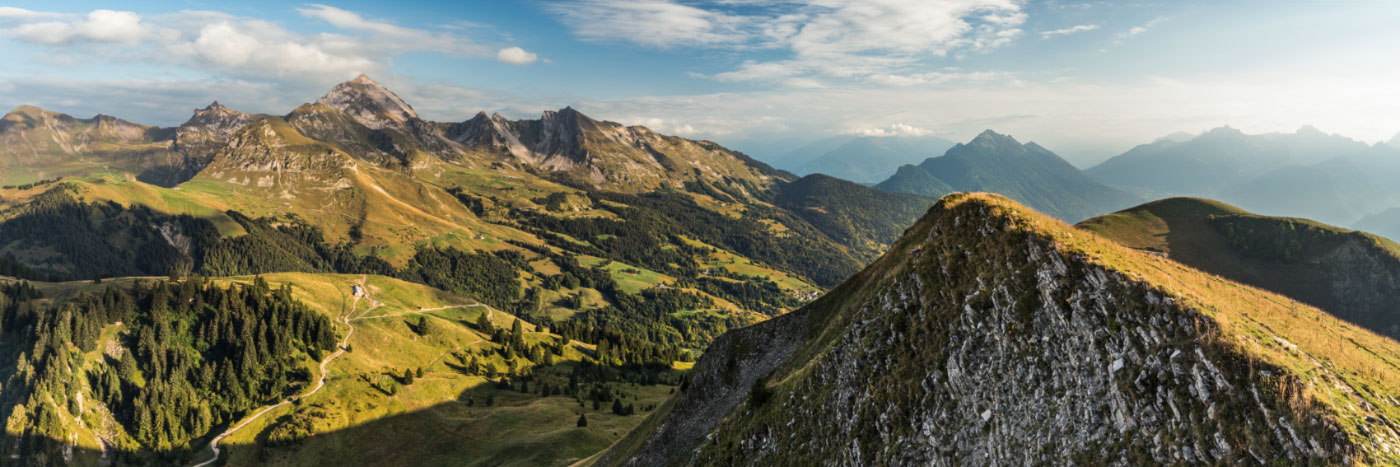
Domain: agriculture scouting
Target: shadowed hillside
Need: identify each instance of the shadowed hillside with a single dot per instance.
(1353, 275)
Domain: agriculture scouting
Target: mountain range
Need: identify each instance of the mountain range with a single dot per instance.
(634, 249)
(350, 283)
(1028, 173)
(1307, 173)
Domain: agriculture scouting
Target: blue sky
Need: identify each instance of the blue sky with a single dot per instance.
(1085, 78)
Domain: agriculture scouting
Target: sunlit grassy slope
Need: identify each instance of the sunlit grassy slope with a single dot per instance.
(442, 418)
(428, 422)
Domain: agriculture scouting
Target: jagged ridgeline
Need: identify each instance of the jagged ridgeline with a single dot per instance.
(994, 334)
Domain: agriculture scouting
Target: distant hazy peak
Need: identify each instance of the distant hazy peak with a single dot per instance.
(1394, 141)
(1223, 130)
(368, 102)
(992, 138)
(1309, 130)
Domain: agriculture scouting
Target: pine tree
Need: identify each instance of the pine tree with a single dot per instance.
(484, 324)
(582, 420)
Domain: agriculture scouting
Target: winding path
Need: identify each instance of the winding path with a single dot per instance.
(320, 383)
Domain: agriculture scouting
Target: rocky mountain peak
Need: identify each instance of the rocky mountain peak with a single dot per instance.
(992, 334)
(217, 109)
(215, 122)
(565, 116)
(992, 139)
(369, 103)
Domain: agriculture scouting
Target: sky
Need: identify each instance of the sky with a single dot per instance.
(1087, 79)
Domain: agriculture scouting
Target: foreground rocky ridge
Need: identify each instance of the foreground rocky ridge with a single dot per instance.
(992, 334)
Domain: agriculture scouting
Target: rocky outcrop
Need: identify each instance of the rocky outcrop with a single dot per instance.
(985, 337)
(270, 153)
(207, 132)
(369, 103)
(1364, 279)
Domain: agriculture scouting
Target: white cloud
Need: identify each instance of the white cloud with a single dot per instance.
(824, 39)
(1135, 30)
(657, 23)
(516, 56)
(257, 49)
(9, 12)
(942, 77)
(897, 129)
(242, 47)
(385, 35)
(48, 32)
(113, 26)
(1069, 30)
(122, 27)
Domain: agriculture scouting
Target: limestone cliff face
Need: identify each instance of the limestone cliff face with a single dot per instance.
(979, 341)
(269, 153)
(1365, 281)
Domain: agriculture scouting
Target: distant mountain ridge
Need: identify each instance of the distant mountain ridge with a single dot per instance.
(1028, 173)
(1217, 160)
(870, 159)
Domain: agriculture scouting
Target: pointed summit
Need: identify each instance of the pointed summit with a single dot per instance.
(1394, 141)
(369, 103)
(215, 109)
(992, 138)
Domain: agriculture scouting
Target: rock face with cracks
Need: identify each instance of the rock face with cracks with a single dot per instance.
(980, 340)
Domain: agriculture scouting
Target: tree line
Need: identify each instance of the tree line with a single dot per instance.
(189, 356)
